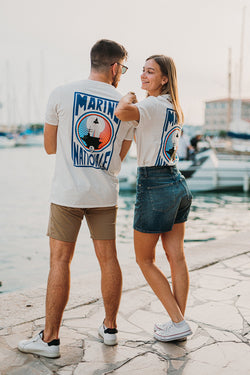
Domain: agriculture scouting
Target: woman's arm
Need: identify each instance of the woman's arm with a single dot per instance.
(126, 109)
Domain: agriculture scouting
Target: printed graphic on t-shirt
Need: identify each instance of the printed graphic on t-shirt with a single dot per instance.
(169, 140)
(94, 130)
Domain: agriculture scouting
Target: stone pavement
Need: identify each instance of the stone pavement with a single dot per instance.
(218, 311)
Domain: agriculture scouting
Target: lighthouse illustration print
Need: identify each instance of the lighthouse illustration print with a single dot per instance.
(94, 130)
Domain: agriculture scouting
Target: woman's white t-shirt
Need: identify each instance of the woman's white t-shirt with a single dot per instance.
(89, 140)
(157, 133)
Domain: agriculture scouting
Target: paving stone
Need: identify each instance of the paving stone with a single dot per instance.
(233, 356)
(146, 320)
(193, 343)
(133, 300)
(245, 269)
(12, 340)
(88, 322)
(98, 352)
(219, 335)
(214, 282)
(218, 315)
(26, 327)
(135, 340)
(235, 262)
(67, 370)
(241, 288)
(244, 301)
(175, 364)
(68, 335)
(124, 326)
(222, 271)
(157, 306)
(169, 350)
(197, 368)
(204, 294)
(5, 331)
(246, 314)
(70, 355)
(147, 365)
(34, 367)
(248, 337)
(78, 312)
(148, 289)
(87, 368)
(39, 322)
(10, 358)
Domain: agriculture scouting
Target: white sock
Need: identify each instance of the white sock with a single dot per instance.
(179, 324)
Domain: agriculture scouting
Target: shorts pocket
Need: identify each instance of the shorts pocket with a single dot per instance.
(163, 197)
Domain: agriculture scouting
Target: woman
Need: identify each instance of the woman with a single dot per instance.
(163, 199)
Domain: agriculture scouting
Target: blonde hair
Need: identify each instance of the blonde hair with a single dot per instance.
(168, 69)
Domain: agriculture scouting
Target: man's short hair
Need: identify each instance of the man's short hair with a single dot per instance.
(106, 52)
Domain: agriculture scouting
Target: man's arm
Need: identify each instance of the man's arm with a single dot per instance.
(50, 138)
(124, 149)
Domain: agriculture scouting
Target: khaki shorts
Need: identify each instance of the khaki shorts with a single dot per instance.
(65, 222)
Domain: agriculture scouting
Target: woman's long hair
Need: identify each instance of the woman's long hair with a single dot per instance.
(168, 69)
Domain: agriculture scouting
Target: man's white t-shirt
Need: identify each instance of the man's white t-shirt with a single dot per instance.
(184, 145)
(89, 140)
(157, 133)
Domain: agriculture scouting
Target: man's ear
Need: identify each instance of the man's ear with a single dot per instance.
(114, 68)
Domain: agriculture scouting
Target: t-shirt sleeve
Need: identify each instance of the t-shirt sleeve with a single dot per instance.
(146, 108)
(51, 115)
(130, 133)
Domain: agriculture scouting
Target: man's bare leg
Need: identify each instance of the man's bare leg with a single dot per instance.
(111, 279)
(61, 254)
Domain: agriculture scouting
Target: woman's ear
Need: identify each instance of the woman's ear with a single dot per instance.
(164, 80)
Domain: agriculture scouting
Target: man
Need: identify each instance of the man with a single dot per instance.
(184, 148)
(89, 142)
(195, 140)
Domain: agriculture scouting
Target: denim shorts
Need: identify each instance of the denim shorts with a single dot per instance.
(162, 199)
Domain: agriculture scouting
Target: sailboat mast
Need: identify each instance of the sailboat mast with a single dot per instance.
(241, 50)
(229, 88)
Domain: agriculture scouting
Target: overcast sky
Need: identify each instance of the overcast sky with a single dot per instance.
(45, 43)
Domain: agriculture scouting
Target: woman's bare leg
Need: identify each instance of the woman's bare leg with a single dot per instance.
(173, 244)
(145, 257)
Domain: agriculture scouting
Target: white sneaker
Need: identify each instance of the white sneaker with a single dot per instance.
(161, 326)
(37, 346)
(173, 332)
(109, 335)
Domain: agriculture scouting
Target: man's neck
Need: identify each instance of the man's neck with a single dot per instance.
(95, 76)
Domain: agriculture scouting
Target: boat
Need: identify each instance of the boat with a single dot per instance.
(206, 171)
(30, 138)
(7, 140)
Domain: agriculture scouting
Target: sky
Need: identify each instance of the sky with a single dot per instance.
(46, 43)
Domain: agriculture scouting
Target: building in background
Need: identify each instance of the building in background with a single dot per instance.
(221, 113)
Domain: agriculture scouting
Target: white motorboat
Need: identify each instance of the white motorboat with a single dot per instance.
(206, 172)
(30, 139)
(6, 140)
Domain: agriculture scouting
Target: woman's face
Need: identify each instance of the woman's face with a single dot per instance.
(152, 78)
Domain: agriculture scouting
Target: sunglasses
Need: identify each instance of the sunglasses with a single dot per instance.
(124, 68)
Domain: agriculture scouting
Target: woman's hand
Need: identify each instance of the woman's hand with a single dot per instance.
(132, 97)
(126, 110)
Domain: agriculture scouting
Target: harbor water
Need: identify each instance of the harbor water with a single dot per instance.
(26, 174)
